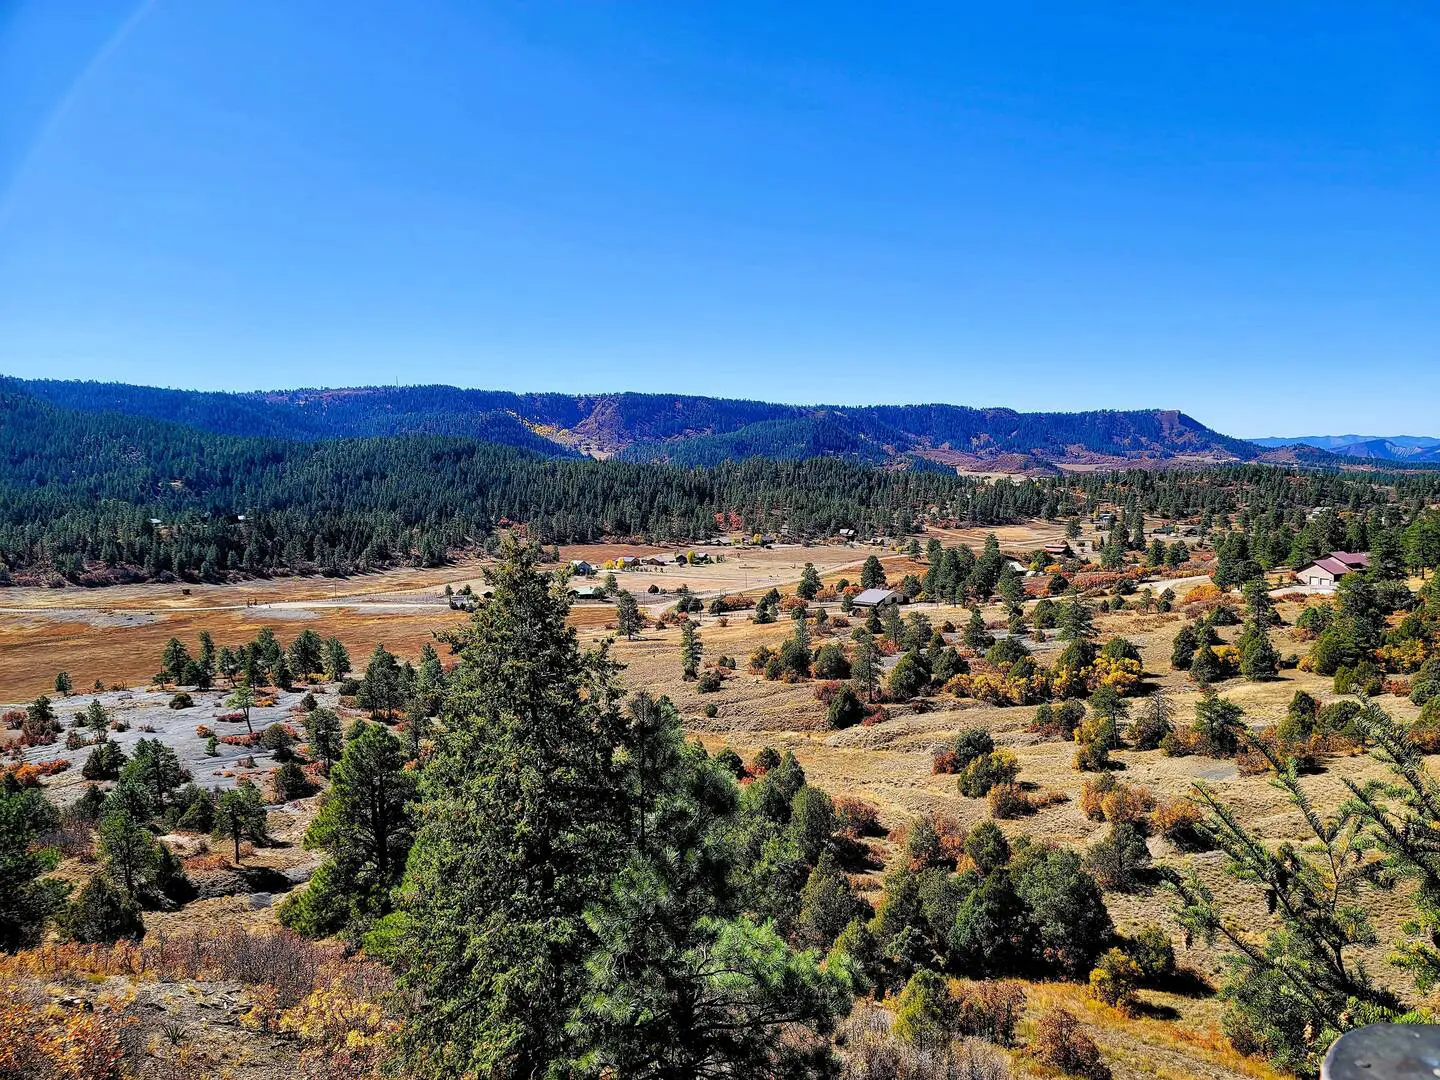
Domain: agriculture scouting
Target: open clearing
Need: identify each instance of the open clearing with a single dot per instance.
(116, 634)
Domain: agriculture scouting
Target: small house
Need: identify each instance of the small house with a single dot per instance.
(847, 534)
(581, 567)
(878, 598)
(627, 562)
(588, 592)
(1323, 573)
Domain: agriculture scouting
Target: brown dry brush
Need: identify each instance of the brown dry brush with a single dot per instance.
(340, 1006)
(869, 1050)
(1060, 1042)
(40, 1042)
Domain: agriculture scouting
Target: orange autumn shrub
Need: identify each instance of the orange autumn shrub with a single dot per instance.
(1178, 821)
(944, 763)
(1107, 799)
(30, 773)
(1099, 579)
(1062, 1044)
(279, 968)
(210, 860)
(1091, 794)
(1009, 801)
(1125, 803)
(1201, 594)
(856, 817)
(39, 1041)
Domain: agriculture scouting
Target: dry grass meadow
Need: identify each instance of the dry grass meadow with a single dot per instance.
(116, 635)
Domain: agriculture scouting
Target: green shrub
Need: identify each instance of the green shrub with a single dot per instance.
(291, 783)
(987, 847)
(104, 762)
(971, 744)
(1361, 678)
(102, 914)
(1006, 651)
(908, 677)
(1118, 648)
(1068, 926)
(831, 662)
(1121, 861)
(1300, 719)
(985, 771)
(925, 1015)
(845, 709)
(1153, 952)
(1338, 718)
(730, 761)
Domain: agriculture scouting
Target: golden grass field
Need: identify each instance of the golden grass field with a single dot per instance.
(116, 635)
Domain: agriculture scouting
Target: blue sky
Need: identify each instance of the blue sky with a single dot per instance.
(1230, 208)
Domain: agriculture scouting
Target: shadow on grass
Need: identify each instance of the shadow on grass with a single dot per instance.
(1186, 982)
(1153, 1011)
(856, 856)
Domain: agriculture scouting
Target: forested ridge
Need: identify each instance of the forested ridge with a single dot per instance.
(682, 429)
(96, 497)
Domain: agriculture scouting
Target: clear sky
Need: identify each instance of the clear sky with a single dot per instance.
(1230, 208)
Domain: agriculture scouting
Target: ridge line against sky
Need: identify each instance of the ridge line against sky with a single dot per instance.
(1061, 208)
(592, 393)
(583, 393)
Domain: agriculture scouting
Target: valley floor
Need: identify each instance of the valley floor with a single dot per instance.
(116, 636)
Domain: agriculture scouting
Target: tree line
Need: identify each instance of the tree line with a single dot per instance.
(96, 497)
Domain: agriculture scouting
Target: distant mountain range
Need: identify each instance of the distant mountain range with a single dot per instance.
(698, 431)
(1404, 448)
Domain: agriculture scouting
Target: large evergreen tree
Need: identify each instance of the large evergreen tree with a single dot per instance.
(522, 824)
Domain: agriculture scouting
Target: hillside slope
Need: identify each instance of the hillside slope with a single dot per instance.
(683, 430)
